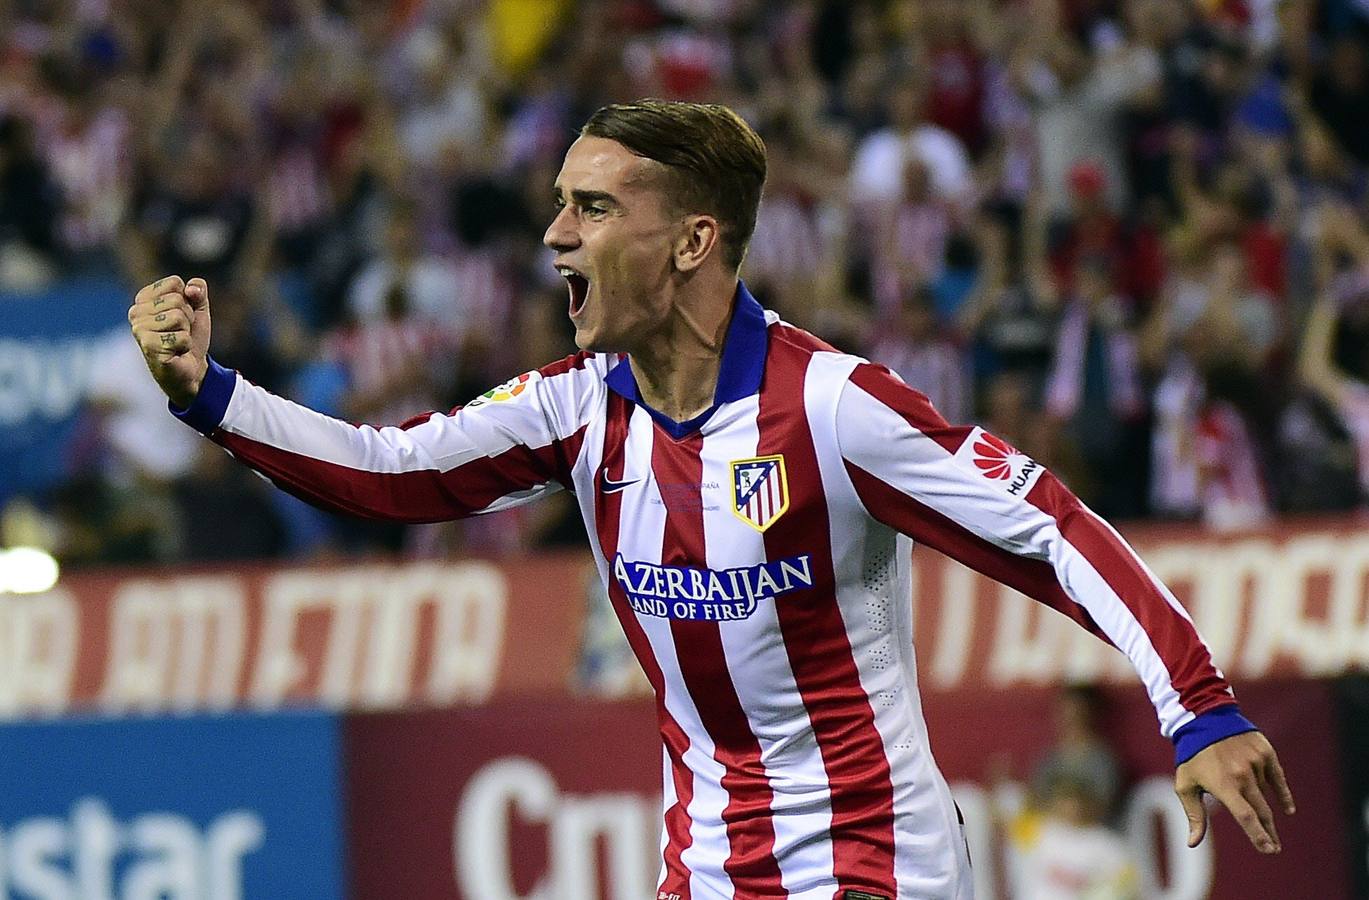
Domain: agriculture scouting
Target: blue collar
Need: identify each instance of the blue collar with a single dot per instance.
(739, 374)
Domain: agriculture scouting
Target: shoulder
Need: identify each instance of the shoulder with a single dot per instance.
(790, 347)
(581, 366)
(574, 385)
(567, 381)
(802, 366)
(789, 341)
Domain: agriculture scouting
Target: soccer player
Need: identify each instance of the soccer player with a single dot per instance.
(752, 497)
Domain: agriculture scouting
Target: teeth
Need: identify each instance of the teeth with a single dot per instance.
(566, 271)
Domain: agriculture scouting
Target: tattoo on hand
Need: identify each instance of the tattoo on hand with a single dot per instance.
(160, 317)
(168, 340)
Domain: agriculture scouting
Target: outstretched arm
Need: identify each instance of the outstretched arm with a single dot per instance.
(520, 441)
(980, 501)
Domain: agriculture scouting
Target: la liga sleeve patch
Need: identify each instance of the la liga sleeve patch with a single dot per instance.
(509, 390)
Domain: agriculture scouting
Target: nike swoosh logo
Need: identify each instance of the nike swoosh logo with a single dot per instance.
(609, 486)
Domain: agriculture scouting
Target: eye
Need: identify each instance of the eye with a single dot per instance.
(596, 210)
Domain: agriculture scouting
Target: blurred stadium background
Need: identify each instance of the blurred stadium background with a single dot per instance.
(1131, 236)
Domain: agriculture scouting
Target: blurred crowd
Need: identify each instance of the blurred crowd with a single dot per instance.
(1129, 236)
(1063, 831)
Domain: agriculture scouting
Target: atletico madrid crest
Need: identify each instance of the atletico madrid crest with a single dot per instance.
(760, 492)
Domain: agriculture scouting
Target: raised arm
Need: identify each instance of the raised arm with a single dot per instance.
(515, 443)
(980, 501)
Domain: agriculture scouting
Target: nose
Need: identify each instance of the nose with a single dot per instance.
(561, 234)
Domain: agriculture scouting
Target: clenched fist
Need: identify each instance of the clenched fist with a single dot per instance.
(170, 322)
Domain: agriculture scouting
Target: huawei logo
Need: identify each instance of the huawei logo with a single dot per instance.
(992, 456)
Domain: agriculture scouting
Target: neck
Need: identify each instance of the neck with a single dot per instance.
(677, 372)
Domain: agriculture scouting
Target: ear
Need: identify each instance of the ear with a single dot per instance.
(699, 237)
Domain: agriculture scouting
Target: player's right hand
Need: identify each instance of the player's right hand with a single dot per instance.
(170, 322)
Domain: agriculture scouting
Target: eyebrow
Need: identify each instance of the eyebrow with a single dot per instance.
(582, 197)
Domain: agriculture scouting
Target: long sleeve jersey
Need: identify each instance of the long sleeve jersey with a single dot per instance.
(759, 560)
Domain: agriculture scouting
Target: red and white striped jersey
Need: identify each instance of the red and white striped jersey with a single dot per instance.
(758, 558)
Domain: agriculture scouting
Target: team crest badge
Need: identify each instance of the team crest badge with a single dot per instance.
(760, 491)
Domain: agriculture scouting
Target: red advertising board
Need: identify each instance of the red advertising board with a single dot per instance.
(1288, 601)
(551, 799)
(375, 636)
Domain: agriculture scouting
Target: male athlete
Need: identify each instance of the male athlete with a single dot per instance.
(752, 497)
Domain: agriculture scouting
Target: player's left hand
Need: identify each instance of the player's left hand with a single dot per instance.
(1237, 771)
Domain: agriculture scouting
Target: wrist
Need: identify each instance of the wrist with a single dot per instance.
(207, 404)
(182, 393)
(181, 400)
(1208, 728)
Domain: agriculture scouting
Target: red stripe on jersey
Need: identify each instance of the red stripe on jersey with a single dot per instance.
(1191, 672)
(815, 638)
(703, 664)
(424, 495)
(562, 366)
(607, 512)
(915, 408)
(1033, 577)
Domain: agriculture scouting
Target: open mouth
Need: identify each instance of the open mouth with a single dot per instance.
(579, 288)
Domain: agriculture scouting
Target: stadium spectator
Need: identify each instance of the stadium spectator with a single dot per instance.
(878, 168)
(389, 361)
(302, 121)
(1094, 389)
(1056, 833)
(446, 114)
(1060, 849)
(1207, 339)
(1078, 101)
(245, 525)
(912, 343)
(201, 218)
(1011, 314)
(1080, 755)
(1338, 371)
(909, 239)
(29, 204)
(791, 257)
(88, 147)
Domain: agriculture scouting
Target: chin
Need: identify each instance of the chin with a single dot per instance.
(590, 341)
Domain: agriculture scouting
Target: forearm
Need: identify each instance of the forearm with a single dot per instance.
(1104, 576)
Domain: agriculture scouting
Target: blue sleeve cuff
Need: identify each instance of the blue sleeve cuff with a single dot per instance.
(210, 405)
(1209, 728)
